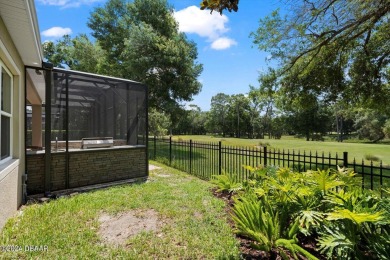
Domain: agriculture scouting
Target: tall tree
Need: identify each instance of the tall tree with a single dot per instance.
(78, 53)
(238, 114)
(192, 121)
(343, 116)
(369, 70)
(255, 106)
(219, 5)
(309, 117)
(218, 113)
(386, 128)
(143, 43)
(194, 114)
(140, 41)
(302, 100)
(158, 122)
(370, 124)
(334, 35)
(267, 94)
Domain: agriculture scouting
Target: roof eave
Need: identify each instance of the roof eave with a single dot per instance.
(32, 16)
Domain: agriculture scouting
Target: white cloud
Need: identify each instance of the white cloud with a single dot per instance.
(54, 2)
(223, 43)
(56, 32)
(202, 23)
(68, 3)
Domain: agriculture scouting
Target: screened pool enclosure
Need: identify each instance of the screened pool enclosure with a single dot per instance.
(83, 129)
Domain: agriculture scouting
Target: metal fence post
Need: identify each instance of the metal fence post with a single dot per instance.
(345, 159)
(265, 156)
(170, 150)
(220, 157)
(48, 87)
(190, 156)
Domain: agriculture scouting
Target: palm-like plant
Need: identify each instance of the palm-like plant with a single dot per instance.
(343, 236)
(356, 218)
(379, 243)
(226, 184)
(350, 222)
(309, 219)
(340, 241)
(259, 173)
(257, 220)
(348, 177)
(323, 180)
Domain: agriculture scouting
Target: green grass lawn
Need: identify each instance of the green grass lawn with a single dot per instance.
(194, 223)
(355, 150)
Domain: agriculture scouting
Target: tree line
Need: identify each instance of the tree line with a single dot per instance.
(332, 67)
(250, 116)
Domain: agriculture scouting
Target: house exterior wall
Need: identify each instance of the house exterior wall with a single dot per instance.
(87, 167)
(8, 191)
(11, 171)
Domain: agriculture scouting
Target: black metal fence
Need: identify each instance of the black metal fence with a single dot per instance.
(204, 159)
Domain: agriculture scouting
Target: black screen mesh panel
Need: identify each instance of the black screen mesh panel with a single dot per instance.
(98, 106)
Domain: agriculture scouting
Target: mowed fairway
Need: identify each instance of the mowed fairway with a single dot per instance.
(355, 150)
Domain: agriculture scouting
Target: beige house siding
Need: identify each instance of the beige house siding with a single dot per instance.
(11, 171)
(9, 199)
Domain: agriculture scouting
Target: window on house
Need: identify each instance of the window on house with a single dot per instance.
(5, 112)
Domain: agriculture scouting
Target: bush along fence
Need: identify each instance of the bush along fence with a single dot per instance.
(204, 159)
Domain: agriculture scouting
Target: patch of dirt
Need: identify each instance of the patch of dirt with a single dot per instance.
(117, 229)
(198, 215)
(163, 175)
(153, 167)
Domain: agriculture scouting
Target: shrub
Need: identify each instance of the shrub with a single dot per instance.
(371, 157)
(226, 184)
(278, 204)
(257, 220)
(317, 137)
(264, 144)
(162, 160)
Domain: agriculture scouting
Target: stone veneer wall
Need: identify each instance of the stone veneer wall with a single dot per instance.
(87, 167)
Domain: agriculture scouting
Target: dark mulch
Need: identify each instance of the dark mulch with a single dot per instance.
(247, 252)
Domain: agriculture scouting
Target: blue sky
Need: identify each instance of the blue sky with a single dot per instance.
(231, 62)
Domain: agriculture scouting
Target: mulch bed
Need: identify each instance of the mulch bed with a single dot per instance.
(249, 253)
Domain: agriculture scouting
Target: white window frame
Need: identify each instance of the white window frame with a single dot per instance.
(3, 113)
